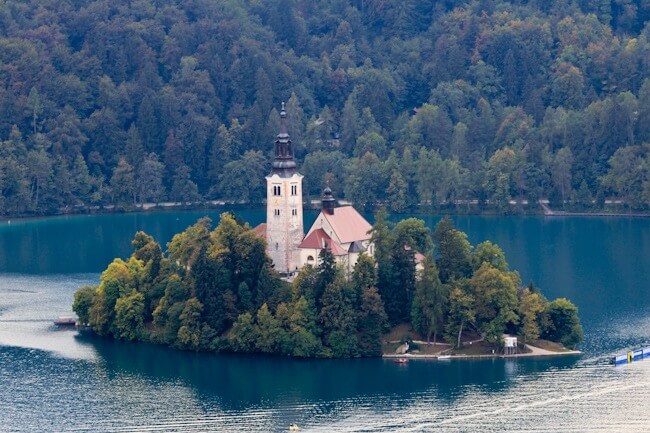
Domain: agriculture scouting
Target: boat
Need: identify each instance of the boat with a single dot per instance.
(293, 427)
(631, 356)
(401, 361)
(443, 357)
(65, 321)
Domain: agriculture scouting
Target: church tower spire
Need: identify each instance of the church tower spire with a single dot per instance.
(284, 226)
(283, 163)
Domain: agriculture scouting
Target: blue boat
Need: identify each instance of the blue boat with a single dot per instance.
(629, 357)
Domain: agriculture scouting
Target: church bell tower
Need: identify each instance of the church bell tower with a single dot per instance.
(284, 227)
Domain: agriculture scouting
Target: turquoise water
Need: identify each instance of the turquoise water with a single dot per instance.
(53, 380)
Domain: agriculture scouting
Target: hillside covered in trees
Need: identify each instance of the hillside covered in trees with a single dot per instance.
(433, 102)
(216, 291)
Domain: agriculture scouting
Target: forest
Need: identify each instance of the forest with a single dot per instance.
(462, 105)
(216, 290)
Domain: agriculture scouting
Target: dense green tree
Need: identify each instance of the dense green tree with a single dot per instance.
(461, 80)
(628, 174)
(189, 333)
(302, 324)
(364, 274)
(562, 323)
(322, 169)
(461, 312)
(83, 300)
(268, 329)
(243, 334)
(123, 183)
(185, 247)
(211, 280)
(365, 180)
(241, 180)
(326, 275)
(413, 233)
(216, 290)
(39, 165)
(82, 181)
(129, 316)
(338, 321)
(396, 192)
(429, 301)
(531, 306)
(372, 319)
(487, 252)
(149, 180)
(495, 293)
(562, 171)
(453, 249)
(183, 188)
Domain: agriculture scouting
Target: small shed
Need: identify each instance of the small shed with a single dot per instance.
(509, 345)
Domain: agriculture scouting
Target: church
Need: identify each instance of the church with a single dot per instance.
(339, 229)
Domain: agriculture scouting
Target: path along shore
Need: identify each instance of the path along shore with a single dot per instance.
(534, 352)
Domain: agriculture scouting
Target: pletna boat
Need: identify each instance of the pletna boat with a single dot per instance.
(65, 321)
(401, 361)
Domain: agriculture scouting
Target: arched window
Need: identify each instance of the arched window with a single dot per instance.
(310, 259)
(277, 246)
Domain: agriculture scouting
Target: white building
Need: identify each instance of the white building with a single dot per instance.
(342, 230)
(284, 227)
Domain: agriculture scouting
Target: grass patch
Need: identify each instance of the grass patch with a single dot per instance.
(549, 345)
(401, 331)
(478, 348)
(430, 349)
(389, 348)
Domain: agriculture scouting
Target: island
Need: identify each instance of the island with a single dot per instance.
(216, 290)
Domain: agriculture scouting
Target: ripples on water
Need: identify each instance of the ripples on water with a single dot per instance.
(55, 381)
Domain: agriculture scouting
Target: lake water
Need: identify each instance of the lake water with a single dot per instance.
(54, 380)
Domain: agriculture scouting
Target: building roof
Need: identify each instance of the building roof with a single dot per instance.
(260, 230)
(348, 224)
(318, 239)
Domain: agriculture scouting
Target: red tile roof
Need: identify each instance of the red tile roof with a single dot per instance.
(318, 239)
(348, 224)
(260, 230)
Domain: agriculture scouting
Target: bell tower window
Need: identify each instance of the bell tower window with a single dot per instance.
(294, 189)
(277, 190)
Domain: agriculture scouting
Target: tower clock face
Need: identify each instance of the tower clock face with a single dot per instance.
(276, 201)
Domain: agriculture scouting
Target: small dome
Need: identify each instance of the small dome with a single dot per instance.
(327, 192)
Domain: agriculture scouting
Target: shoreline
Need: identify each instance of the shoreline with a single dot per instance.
(535, 352)
(543, 211)
(410, 356)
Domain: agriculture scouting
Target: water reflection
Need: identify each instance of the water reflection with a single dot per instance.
(239, 382)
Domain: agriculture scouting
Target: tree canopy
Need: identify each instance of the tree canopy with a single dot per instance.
(400, 102)
(216, 290)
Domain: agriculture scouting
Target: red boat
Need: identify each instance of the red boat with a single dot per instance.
(401, 361)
